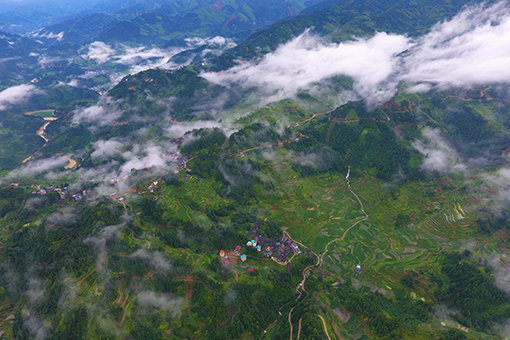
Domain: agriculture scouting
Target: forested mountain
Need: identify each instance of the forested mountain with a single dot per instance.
(75, 31)
(202, 18)
(12, 45)
(342, 20)
(342, 173)
(30, 15)
(26, 16)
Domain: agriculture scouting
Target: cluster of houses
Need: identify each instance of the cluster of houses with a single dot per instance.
(277, 250)
(61, 191)
(235, 252)
(153, 190)
(176, 157)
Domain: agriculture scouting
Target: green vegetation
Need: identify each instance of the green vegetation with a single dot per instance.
(159, 275)
(343, 20)
(198, 18)
(41, 113)
(386, 249)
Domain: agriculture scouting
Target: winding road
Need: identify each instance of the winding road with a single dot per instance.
(290, 321)
(320, 261)
(325, 327)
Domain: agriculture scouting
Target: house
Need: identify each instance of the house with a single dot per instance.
(226, 262)
(243, 257)
(251, 270)
(222, 253)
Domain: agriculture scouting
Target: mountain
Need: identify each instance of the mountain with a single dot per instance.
(12, 45)
(28, 16)
(74, 31)
(202, 18)
(340, 174)
(84, 27)
(343, 20)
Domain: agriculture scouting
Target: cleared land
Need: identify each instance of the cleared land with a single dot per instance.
(41, 113)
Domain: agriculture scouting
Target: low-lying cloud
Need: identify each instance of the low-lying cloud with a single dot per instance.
(38, 166)
(105, 112)
(141, 58)
(439, 156)
(106, 149)
(305, 60)
(181, 128)
(17, 94)
(165, 301)
(155, 259)
(104, 235)
(153, 156)
(472, 48)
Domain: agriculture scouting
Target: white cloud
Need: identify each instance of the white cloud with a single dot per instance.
(181, 128)
(304, 60)
(50, 35)
(99, 51)
(502, 271)
(40, 165)
(439, 156)
(217, 41)
(472, 48)
(105, 112)
(141, 58)
(66, 216)
(155, 258)
(104, 235)
(105, 149)
(17, 94)
(165, 301)
(500, 181)
(153, 157)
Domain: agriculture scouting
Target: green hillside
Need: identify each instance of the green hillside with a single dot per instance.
(172, 207)
(202, 18)
(345, 19)
(12, 45)
(75, 31)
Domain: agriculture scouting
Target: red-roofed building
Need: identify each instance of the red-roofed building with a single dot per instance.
(222, 253)
(251, 270)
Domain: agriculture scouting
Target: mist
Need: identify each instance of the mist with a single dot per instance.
(472, 48)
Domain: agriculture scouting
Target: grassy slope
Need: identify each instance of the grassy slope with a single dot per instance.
(317, 209)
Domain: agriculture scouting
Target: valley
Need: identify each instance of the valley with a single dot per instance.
(268, 170)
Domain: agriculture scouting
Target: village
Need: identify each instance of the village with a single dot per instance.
(281, 251)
